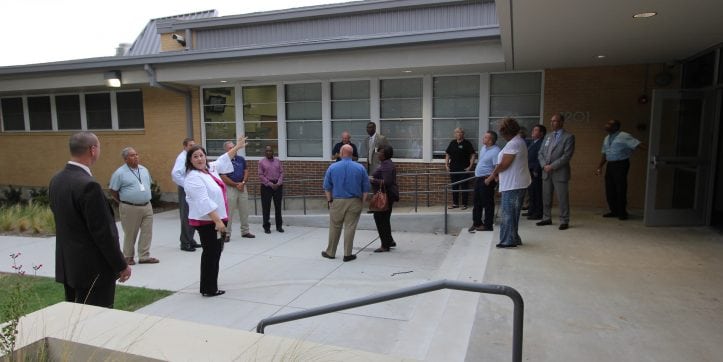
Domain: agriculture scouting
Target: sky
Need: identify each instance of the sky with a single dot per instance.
(40, 31)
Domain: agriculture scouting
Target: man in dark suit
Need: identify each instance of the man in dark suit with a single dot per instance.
(88, 259)
(534, 191)
(555, 154)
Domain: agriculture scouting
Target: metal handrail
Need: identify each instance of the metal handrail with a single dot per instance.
(446, 192)
(513, 294)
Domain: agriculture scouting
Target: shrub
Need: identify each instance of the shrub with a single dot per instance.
(39, 196)
(155, 193)
(37, 219)
(13, 196)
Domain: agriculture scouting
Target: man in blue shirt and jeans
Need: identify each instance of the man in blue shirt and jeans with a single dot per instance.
(346, 185)
(484, 195)
(617, 148)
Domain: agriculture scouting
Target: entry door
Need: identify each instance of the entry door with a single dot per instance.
(679, 188)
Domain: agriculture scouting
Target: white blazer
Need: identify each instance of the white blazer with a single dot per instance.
(203, 194)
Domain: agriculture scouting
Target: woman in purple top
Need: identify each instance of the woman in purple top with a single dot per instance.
(386, 174)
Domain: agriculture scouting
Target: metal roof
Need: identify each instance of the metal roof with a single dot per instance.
(148, 42)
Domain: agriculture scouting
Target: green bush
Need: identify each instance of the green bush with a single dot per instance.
(39, 196)
(13, 196)
(155, 193)
(33, 219)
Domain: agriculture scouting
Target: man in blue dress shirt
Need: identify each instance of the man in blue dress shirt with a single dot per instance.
(484, 195)
(617, 148)
(346, 185)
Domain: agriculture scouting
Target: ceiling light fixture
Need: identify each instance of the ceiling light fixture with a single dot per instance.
(600, 56)
(112, 78)
(406, 71)
(645, 15)
(224, 81)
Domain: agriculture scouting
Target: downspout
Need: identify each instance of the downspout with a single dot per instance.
(187, 93)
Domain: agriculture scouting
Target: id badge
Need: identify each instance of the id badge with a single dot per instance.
(142, 188)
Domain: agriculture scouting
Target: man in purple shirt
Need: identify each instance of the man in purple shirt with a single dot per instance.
(271, 176)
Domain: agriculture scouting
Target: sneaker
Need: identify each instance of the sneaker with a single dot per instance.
(472, 229)
(248, 235)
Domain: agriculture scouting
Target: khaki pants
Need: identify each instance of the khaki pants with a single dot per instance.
(344, 212)
(238, 201)
(135, 219)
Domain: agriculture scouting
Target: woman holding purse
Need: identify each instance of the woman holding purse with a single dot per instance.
(385, 178)
(208, 209)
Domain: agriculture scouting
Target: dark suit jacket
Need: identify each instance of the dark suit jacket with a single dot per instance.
(533, 162)
(86, 243)
(560, 155)
(387, 173)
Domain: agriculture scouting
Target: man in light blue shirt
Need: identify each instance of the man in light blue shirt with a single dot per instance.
(484, 195)
(346, 185)
(617, 148)
(130, 187)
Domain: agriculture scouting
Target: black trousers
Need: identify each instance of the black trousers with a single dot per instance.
(210, 257)
(534, 192)
(187, 230)
(463, 186)
(268, 193)
(384, 226)
(101, 293)
(616, 186)
(484, 203)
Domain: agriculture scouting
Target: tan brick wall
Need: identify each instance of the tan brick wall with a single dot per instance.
(32, 158)
(592, 96)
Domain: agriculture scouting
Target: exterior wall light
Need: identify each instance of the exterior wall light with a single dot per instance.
(645, 15)
(112, 78)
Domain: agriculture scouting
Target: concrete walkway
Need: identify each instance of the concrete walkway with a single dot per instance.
(604, 290)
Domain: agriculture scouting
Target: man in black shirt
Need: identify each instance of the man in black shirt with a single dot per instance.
(459, 157)
(345, 140)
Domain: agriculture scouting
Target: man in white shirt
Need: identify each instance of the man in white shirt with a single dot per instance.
(178, 174)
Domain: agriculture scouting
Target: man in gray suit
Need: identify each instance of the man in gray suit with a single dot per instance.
(555, 154)
(374, 142)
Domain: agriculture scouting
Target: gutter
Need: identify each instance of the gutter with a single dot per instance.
(185, 92)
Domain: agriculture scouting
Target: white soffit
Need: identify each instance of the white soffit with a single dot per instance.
(572, 33)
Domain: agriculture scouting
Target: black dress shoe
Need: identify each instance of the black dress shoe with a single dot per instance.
(248, 235)
(610, 214)
(214, 294)
(188, 248)
(472, 229)
(623, 217)
(267, 231)
(349, 257)
(544, 222)
(485, 228)
(324, 254)
(534, 217)
(525, 214)
(393, 244)
(564, 226)
(280, 229)
(379, 250)
(196, 245)
(503, 246)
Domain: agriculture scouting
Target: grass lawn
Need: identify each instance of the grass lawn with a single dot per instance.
(40, 292)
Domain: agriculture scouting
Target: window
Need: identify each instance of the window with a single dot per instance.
(350, 112)
(455, 104)
(303, 120)
(97, 111)
(130, 110)
(219, 118)
(515, 95)
(401, 115)
(260, 119)
(12, 114)
(39, 111)
(68, 109)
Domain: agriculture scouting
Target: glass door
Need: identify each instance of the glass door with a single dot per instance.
(680, 158)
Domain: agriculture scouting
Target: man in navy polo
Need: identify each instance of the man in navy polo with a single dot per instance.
(237, 195)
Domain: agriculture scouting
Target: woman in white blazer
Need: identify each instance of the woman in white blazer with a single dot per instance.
(208, 208)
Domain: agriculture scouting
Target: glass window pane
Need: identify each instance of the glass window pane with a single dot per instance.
(97, 110)
(215, 147)
(354, 109)
(358, 131)
(401, 108)
(456, 107)
(516, 83)
(130, 110)
(405, 136)
(457, 86)
(303, 111)
(222, 131)
(304, 139)
(218, 96)
(523, 105)
(219, 114)
(67, 108)
(12, 112)
(443, 133)
(303, 92)
(350, 90)
(260, 120)
(401, 88)
(39, 112)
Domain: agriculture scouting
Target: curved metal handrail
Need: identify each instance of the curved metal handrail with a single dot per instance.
(510, 292)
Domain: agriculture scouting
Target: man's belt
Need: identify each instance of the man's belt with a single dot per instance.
(132, 204)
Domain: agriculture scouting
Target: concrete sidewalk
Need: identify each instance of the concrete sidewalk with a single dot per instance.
(604, 290)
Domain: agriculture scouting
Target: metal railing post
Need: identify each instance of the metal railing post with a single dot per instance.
(304, 196)
(416, 191)
(518, 304)
(256, 206)
(446, 189)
